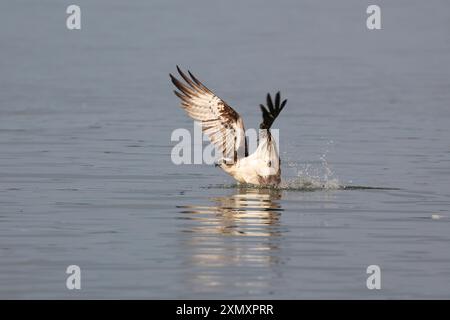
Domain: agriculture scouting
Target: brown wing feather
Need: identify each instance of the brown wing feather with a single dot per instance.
(221, 123)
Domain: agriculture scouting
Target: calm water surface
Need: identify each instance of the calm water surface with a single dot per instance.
(86, 176)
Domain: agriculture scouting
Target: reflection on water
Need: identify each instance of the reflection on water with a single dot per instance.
(242, 229)
(249, 212)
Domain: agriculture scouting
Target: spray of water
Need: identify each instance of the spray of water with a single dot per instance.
(312, 177)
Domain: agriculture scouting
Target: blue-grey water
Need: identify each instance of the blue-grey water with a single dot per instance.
(86, 176)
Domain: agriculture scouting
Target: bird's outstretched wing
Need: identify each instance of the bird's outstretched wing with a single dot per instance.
(271, 112)
(221, 123)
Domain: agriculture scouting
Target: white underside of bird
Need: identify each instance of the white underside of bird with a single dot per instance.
(261, 167)
(225, 128)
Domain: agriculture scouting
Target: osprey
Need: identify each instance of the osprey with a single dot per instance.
(225, 128)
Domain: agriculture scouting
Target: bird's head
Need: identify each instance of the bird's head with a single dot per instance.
(225, 164)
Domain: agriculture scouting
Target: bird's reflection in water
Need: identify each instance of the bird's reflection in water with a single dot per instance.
(224, 242)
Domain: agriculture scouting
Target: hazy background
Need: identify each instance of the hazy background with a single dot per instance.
(85, 171)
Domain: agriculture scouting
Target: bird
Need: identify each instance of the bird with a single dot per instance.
(225, 129)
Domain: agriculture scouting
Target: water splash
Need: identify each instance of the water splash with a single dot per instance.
(311, 178)
(305, 183)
